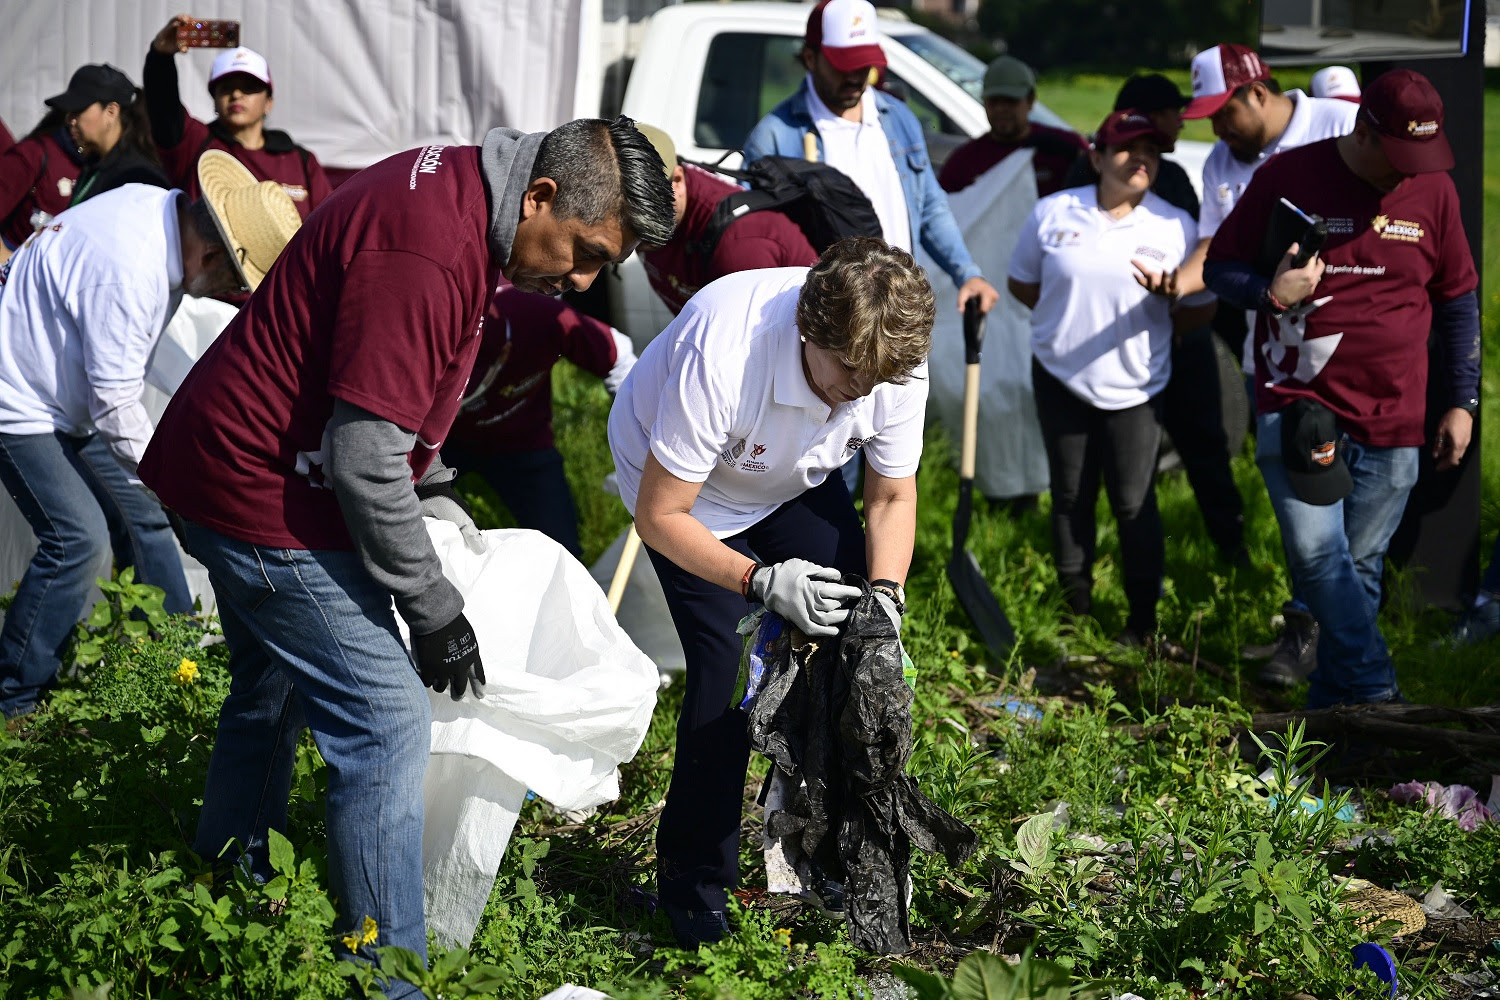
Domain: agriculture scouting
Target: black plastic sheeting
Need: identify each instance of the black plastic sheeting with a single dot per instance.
(837, 715)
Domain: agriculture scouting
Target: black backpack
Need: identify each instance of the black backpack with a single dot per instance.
(824, 203)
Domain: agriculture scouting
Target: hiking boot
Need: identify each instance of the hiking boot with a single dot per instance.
(1296, 650)
(695, 927)
(1477, 625)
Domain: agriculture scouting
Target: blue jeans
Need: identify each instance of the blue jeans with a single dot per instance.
(313, 645)
(80, 503)
(1336, 555)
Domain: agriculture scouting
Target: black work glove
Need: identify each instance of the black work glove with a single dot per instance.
(449, 657)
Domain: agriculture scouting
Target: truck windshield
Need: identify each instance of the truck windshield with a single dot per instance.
(947, 58)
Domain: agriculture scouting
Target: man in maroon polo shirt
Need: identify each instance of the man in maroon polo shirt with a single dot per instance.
(504, 426)
(754, 240)
(291, 452)
(1341, 357)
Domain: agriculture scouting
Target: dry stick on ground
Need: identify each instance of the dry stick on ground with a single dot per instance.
(1401, 727)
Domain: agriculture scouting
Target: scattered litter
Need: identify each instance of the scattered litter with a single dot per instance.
(1440, 903)
(1347, 813)
(1456, 802)
(567, 991)
(1373, 837)
(1379, 961)
(1024, 711)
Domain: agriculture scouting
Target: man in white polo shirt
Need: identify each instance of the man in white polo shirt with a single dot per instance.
(727, 437)
(82, 308)
(1254, 120)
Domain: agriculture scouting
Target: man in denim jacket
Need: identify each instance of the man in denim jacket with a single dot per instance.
(872, 137)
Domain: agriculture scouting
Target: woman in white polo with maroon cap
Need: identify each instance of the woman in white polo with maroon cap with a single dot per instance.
(1096, 265)
(728, 436)
(240, 84)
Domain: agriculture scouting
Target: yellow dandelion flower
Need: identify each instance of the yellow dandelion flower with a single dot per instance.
(783, 937)
(366, 935)
(186, 672)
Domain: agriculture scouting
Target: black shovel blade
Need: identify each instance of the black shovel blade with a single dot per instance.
(973, 590)
(980, 604)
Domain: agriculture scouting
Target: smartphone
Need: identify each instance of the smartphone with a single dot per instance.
(1312, 239)
(202, 34)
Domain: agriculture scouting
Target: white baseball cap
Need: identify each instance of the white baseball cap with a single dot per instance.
(240, 60)
(1336, 81)
(847, 34)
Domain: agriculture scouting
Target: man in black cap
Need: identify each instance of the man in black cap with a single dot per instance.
(1341, 357)
(1191, 404)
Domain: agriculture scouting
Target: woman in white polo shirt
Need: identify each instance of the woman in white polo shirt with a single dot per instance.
(727, 437)
(1096, 265)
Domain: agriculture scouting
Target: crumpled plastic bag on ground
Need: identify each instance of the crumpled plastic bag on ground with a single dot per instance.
(1456, 802)
(567, 699)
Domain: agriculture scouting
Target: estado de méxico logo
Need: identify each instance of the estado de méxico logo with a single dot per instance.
(1397, 229)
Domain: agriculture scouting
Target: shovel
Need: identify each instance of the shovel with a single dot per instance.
(974, 594)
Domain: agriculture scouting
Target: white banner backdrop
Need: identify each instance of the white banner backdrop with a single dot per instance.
(355, 80)
(1011, 459)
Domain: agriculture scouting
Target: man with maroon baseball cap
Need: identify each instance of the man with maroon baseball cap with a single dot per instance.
(1346, 334)
(1254, 121)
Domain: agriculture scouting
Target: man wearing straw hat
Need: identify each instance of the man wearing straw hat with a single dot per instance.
(81, 311)
(301, 452)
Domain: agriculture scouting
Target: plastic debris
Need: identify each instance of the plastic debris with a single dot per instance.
(1379, 961)
(1023, 711)
(1440, 903)
(1456, 802)
(567, 991)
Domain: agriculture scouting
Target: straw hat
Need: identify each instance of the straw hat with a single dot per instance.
(255, 218)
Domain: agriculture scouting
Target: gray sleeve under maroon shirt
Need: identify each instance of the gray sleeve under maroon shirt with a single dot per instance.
(371, 477)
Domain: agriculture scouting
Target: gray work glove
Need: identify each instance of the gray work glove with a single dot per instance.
(440, 501)
(805, 594)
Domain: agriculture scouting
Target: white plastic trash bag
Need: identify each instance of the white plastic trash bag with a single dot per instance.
(1011, 460)
(567, 699)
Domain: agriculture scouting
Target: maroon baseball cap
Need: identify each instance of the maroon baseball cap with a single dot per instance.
(1404, 109)
(846, 33)
(1217, 73)
(1121, 127)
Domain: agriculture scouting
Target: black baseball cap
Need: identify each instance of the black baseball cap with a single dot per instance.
(1312, 450)
(1148, 92)
(93, 83)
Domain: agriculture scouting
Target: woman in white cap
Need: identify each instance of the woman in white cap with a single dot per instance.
(240, 84)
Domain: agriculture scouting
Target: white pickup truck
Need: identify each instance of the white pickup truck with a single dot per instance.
(707, 72)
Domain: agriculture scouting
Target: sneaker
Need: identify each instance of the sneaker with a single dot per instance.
(696, 927)
(1296, 651)
(827, 897)
(1477, 625)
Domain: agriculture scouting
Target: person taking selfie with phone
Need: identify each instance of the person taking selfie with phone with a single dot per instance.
(240, 84)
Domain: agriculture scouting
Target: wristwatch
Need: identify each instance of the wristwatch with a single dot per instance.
(893, 590)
